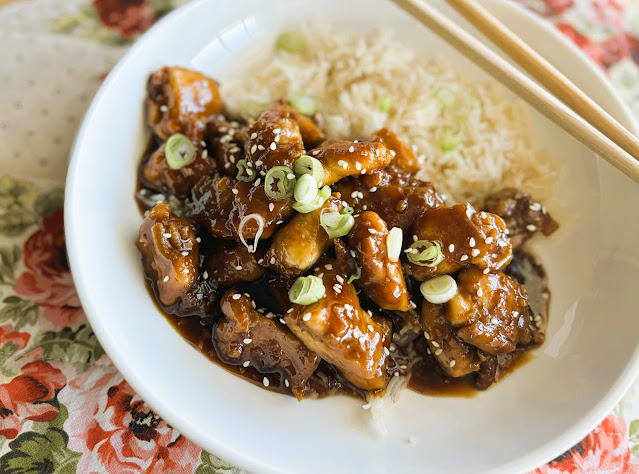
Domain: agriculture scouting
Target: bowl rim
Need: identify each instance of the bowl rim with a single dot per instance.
(217, 445)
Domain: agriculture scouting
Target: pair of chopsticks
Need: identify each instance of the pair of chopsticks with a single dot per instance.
(569, 107)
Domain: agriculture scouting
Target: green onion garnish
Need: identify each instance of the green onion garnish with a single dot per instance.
(302, 102)
(348, 210)
(447, 97)
(439, 290)
(336, 224)
(279, 183)
(307, 290)
(305, 189)
(290, 41)
(449, 140)
(394, 244)
(309, 165)
(458, 104)
(179, 151)
(385, 103)
(356, 276)
(318, 202)
(425, 253)
(244, 173)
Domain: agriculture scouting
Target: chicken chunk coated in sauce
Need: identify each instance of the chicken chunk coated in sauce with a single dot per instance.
(394, 195)
(490, 311)
(181, 101)
(382, 279)
(405, 158)
(170, 253)
(230, 264)
(302, 241)
(244, 336)
(157, 174)
(522, 214)
(342, 333)
(464, 237)
(225, 207)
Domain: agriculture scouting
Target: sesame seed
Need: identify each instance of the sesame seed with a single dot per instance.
(253, 148)
(265, 381)
(253, 136)
(371, 328)
(372, 231)
(373, 189)
(235, 149)
(535, 206)
(415, 238)
(286, 382)
(271, 206)
(167, 235)
(469, 214)
(489, 240)
(227, 165)
(486, 271)
(184, 254)
(451, 248)
(290, 176)
(502, 243)
(353, 254)
(272, 261)
(258, 163)
(238, 267)
(475, 252)
(277, 139)
(232, 159)
(494, 321)
(364, 207)
(328, 266)
(360, 195)
(483, 215)
(358, 166)
(343, 164)
(315, 152)
(392, 152)
(471, 242)
(273, 146)
(337, 288)
(362, 339)
(531, 228)
(463, 258)
(276, 130)
(257, 182)
(205, 154)
(237, 296)
(452, 363)
(348, 307)
(306, 317)
(354, 194)
(282, 321)
(164, 108)
(435, 343)
(393, 347)
(261, 147)
(260, 261)
(426, 335)
(370, 313)
(339, 278)
(386, 351)
(247, 363)
(280, 222)
(198, 240)
(506, 231)
(438, 351)
(235, 191)
(222, 129)
(515, 314)
(351, 149)
(480, 292)
(396, 374)
(248, 340)
(205, 275)
(253, 304)
(165, 279)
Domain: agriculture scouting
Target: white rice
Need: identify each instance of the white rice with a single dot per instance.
(349, 75)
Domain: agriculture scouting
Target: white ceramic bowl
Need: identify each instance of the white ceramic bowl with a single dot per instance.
(588, 361)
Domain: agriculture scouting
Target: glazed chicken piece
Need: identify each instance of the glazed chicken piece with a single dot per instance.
(405, 158)
(342, 333)
(181, 101)
(490, 311)
(244, 335)
(395, 196)
(300, 243)
(455, 357)
(343, 158)
(522, 214)
(220, 204)
(311, 134)
(227, 141)
(381, 280)
(170, 253)
(274, 139)
(231, 264)
(465, 237)
(493, 368)
(157, 174)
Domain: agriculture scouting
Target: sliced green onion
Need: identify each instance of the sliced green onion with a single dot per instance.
(449, 140)
(336, 224)
(425, 253)
(244, 173)
(277, 184)
(447, 97)
(348, 210)
(439, 290)
(394, 244)
(309, 165)
(318, 202)
(305, 189)
(290, 41)
(385, 103)
(356, 276)
(179, 151)
(302, 102)
(457, 103)
(307, 290)
(252, 110)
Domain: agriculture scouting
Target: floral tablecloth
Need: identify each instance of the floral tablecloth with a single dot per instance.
(63, 405)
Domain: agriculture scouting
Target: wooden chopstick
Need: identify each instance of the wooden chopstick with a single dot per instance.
(522, 85)
(549, 76)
